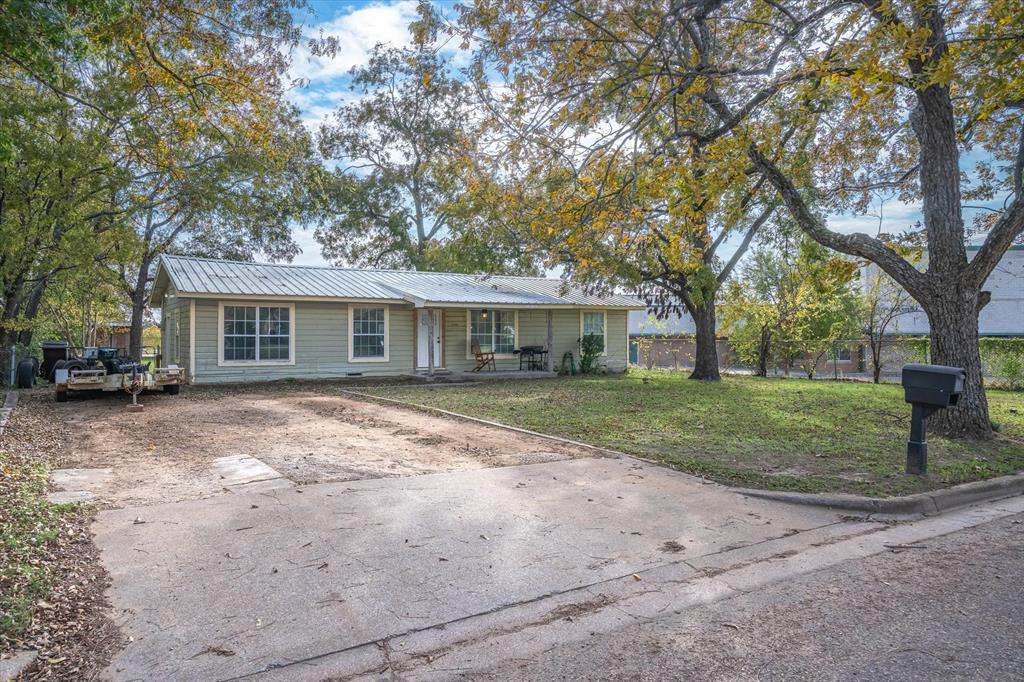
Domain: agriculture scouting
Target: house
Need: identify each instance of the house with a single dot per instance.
(229, 321)
(1004, 314)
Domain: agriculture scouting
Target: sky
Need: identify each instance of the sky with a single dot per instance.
(359, 25)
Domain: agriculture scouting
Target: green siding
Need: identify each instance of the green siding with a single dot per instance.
(321, 342)
(184, 325)
(533, 330)
(321, 345)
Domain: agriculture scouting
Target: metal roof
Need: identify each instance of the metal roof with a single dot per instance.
(223, 278)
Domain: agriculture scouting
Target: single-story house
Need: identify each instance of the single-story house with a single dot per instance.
(229, 321)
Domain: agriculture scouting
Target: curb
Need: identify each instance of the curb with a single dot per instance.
(923, 504)
(19, 662)
(933, 502)
(10, 400)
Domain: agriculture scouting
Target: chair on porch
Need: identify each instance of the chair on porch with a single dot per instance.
(482, 359)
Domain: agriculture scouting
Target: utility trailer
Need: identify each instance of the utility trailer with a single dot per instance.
(109, 369)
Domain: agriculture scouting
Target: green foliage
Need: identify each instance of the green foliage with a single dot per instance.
(591, 348)
(28, 526)
(129, 129)
(1002, 358)
(1003, 362)
(404, 192)
(791, 308)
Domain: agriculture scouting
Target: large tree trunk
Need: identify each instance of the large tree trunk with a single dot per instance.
(953, 320)
(138, 296)
(705, 362)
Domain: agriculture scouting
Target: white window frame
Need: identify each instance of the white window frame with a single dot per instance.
(387, 333)
(583, 314)
(221, 362)
(469, 333)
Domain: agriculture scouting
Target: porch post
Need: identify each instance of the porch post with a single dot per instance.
(430, 342)
(551, 340)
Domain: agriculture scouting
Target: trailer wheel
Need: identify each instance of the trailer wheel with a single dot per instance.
(25, 375)
(53, 372)
(75, 364)
(62, 396)
(172, 389)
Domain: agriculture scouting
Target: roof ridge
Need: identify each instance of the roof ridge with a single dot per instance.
(338, 268)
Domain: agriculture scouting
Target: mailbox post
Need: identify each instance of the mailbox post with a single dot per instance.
(928, 389)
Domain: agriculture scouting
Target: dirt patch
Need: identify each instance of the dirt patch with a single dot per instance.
(307, 433)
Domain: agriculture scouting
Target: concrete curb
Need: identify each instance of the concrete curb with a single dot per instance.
(922, 504)
(19, 662)
(932, 502)
(10, 400)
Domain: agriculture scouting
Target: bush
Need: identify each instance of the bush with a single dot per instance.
(591, 347)
(1002, 360)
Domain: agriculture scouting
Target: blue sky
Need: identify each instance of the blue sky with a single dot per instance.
(359, 25)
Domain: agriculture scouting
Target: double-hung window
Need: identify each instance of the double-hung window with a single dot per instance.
(368, 333)
(257, 334)
(593, 324)
(494, 330)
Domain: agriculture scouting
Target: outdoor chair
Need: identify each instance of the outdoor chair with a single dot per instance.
(482, 359)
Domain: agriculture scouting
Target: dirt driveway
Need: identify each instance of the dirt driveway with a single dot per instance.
(306, 433)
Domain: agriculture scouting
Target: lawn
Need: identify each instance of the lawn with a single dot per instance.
(784, 434)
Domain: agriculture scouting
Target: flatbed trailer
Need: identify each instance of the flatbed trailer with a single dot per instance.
(167, 379)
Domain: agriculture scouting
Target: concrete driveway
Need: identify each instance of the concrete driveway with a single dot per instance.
(320, 581)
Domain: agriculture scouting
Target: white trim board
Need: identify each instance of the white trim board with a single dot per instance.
(387, 332)
(605, 328)
(469, 335)
(292, 330)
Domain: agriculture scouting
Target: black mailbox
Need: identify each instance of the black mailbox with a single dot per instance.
(927, 388)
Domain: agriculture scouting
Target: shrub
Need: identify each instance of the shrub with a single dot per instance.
(591, 347)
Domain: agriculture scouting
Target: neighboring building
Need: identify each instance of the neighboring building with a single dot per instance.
(229, 321)
(113, 334)
(1004, 314)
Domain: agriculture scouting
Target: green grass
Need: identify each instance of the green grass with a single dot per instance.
(785, 434)
(29, 527)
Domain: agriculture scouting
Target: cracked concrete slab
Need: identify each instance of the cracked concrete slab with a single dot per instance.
(246, 583)
(78, 485)
(242, 473)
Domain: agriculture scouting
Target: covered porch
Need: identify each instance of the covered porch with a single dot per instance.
(496, 341)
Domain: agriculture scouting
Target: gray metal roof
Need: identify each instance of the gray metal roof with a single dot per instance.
(211, 277)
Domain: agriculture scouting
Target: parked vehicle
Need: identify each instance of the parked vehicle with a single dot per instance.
(96, 369)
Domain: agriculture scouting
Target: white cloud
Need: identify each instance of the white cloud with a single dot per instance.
(356, 32)
(310, 254)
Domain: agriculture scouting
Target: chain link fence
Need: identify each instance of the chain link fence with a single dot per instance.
(1002, 358)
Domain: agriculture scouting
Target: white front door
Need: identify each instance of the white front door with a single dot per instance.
(423, 338)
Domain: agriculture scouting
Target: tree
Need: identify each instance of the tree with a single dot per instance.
(862, 95)
(166, 118)
(884, 303)
(619, 198)
(791, 305)
(400, 195)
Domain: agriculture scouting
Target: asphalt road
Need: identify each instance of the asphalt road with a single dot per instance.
(948, 608)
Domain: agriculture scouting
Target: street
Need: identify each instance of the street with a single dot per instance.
(950, 608)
